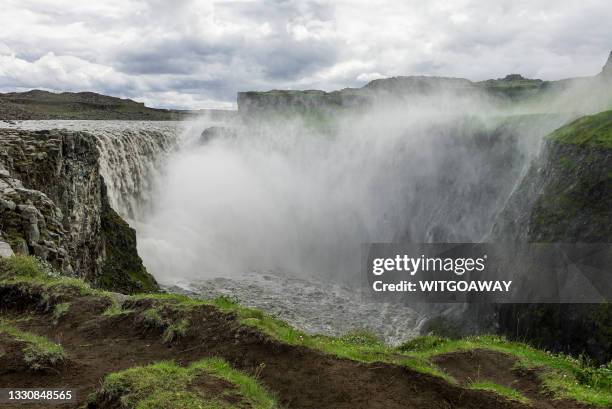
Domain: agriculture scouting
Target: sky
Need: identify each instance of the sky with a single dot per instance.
(194, 54)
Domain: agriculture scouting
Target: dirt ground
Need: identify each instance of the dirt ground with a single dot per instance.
(484, 365)
(301, 378)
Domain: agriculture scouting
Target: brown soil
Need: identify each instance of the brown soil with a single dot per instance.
(300, 377)
(485, 365)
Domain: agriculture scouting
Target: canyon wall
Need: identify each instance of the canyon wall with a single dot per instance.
(566, 197)
(54, 204)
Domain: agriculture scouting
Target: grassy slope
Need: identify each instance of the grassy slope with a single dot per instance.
(562, 375)
(38, 352)
(509, 393)
(167, 385)
(38, 104)
(591, 130)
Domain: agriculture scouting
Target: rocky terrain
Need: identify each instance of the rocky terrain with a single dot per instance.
(55, 205)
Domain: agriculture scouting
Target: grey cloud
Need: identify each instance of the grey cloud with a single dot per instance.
(190, 53)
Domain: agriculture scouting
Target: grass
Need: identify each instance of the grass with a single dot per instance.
(359, 345)
(564, 376)
(175, 330)
(38, 352)
(504, 391)
(169, 386)
(591, 130)
(153, 319)
(59, 311)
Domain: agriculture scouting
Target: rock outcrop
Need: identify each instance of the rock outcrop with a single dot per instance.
(607, 69)
(566, 197)
(54, 204)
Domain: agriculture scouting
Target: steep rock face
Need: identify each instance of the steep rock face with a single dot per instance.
(30, 223)
(63, 166)
(54, 205)
(565, 197)
(568, 199)
(607, 69)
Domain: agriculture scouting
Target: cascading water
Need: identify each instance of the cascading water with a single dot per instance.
(131, 161)
(132, 155)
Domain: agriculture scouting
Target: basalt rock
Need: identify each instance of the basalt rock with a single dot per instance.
(54, 205)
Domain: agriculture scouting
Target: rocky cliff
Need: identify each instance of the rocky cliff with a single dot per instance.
(565, 197)
(54, 204)
(607, 69)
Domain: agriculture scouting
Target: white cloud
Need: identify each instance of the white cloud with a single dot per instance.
(198, 54)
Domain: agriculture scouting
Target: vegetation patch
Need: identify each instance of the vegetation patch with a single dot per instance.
(38, 352)
(33, 275)
(562, 375)
(122, 270)
(59, 311)
(504, 391)
(169, 386)
(591, 130)
(175, 330)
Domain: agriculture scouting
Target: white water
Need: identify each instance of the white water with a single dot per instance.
(281, 196)
(132, 156)
(275, 216)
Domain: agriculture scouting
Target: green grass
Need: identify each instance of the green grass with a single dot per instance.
(34, 275)
(153, 319)
(561, 375)
(175, 330)
(169, 386)
(38, 352)
(20, 266)
(564, 376)
(504, 391)
(60, 310)
(591, 130)
(358, 345)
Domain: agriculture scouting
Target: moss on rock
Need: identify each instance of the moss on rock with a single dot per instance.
(591, 130)
(122, 269)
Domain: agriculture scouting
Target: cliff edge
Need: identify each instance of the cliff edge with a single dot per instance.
(54, 205)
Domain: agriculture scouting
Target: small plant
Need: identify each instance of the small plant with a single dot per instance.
(175, 330)
(38, 352)
(422, 343)
(59, 311)
(504, 391)
(152, 318)
(362, 337)
(19, 266)
(169, 386)
(115, 309)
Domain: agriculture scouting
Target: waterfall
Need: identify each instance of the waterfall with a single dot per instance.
(131, 159)
(132, 155)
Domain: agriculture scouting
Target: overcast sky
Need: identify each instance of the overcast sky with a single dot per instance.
(198, 54)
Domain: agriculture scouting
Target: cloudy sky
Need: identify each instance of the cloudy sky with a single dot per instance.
(198, 54)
